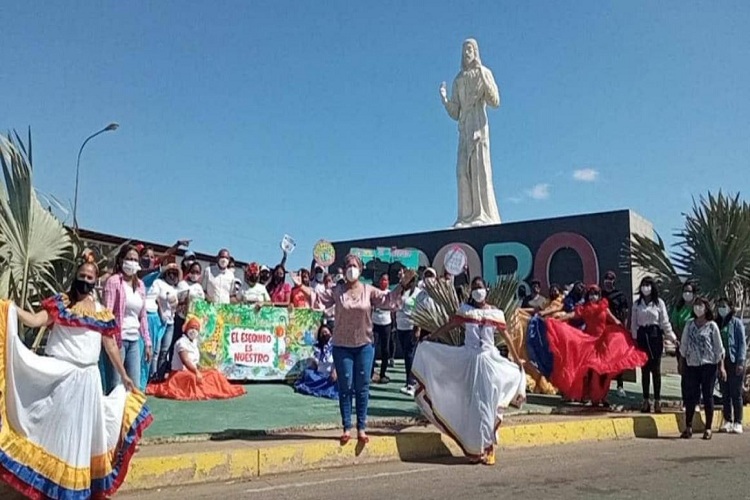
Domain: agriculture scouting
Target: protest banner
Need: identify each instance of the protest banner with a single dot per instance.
(272, 343)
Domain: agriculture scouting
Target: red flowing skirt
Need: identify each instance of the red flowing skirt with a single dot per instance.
(184, 386)
(576, 354)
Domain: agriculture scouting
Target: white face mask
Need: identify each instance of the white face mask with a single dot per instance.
(223, 263)
(687, 296)
(478, 295)
(130, 267)
(319, 277)
(723, 311)
(646, 291)
(352, 274)
(192, 334)
(699, 311)
(594, 298)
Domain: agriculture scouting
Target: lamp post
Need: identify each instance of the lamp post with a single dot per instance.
(111, 126)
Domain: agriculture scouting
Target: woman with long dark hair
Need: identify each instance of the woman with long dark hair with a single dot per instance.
(62, 438)
(464, 390)
(278, 289)
(125, 296)
(735, 345)
(702, 355)
(649, 325)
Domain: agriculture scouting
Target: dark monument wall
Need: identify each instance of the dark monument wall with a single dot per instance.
(561, 250)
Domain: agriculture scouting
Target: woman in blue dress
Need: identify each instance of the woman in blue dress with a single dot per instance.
(319, 379)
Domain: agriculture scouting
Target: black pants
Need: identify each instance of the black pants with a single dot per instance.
(699, 381)
(408, 346)
(731, 393)
(651, 340)
(383, 340)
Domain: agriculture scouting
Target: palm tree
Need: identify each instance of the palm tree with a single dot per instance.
(712, 249)
(36, 250)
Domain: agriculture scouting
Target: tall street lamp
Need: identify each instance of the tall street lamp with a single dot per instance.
(111, 126)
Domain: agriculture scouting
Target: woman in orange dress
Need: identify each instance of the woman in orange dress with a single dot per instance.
(186, 382)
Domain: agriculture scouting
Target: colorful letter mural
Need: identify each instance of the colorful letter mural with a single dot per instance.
(561, 250)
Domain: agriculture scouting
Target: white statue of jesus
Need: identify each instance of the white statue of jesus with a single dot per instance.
(473, 89)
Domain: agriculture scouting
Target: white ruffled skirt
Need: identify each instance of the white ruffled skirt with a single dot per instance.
(464, 392)
(60, 437)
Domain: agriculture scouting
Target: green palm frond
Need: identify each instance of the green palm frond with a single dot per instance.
(33, 243)
(712, 249)
(714, 245)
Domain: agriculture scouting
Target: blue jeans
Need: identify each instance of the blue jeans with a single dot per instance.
(110, 377)
(130, 352)
(731, 393)
(161, 351)
(353, 367)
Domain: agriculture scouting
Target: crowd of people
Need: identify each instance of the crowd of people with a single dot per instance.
(118, 335)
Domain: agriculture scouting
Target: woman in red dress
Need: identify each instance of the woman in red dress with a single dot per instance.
(585, 361)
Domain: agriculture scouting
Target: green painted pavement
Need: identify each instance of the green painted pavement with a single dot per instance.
(269, 406)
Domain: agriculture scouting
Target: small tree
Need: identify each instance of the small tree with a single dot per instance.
(36, 250)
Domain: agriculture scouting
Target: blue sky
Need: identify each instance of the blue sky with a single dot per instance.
(242, 121)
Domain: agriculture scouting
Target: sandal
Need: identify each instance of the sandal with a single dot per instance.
(345, 438)
(363, 439)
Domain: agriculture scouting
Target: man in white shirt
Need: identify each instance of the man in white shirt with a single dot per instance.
(218, 280)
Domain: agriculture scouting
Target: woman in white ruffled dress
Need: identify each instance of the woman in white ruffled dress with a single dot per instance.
(60, 437)
(464, 390)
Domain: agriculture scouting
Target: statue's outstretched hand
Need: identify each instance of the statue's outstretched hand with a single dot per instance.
(444, 91)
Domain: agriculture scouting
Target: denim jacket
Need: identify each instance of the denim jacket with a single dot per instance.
(736, 343)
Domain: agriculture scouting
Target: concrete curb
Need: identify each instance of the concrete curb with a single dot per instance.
(254, 461)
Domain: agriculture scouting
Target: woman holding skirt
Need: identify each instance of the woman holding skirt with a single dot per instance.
(60, 437)
(582, 363)
(464, 390)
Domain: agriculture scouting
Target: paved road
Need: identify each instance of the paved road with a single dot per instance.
(662, 469)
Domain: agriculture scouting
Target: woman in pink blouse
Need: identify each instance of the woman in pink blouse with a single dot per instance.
(278, 289)
(125, 296)
(352, 338)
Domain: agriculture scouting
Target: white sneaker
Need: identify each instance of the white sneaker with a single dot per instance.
(408, 391)
(737, 428)
(727, 427)
(621, 392)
